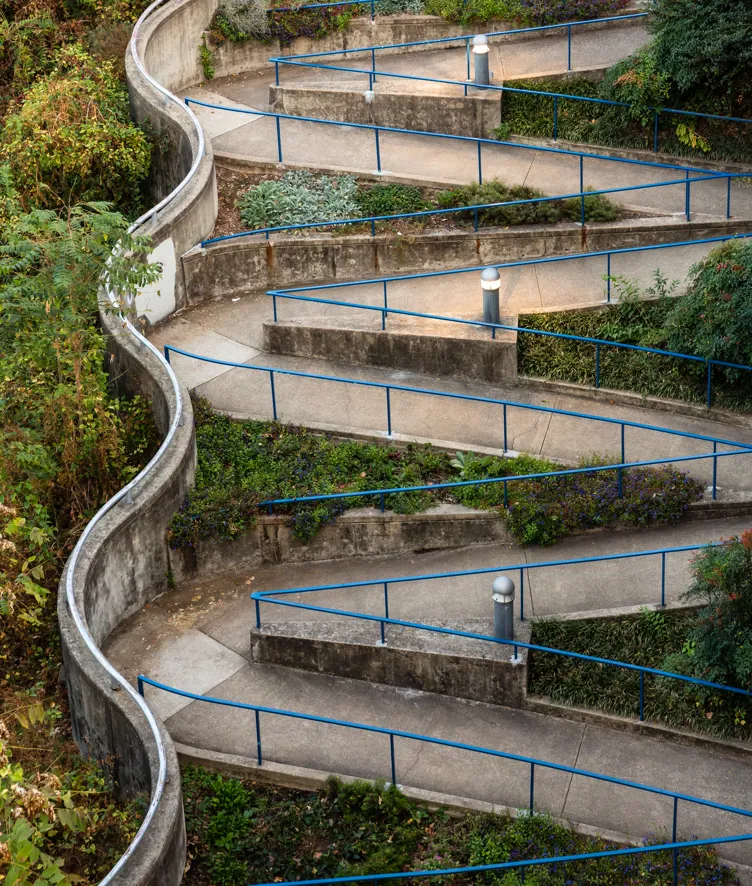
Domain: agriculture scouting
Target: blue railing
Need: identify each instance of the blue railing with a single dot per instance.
(389, 389)
(271, 597)
(384, 310)
(686, 182)
(464, 38)
(396, 737)
(556, 97)
(547, 260)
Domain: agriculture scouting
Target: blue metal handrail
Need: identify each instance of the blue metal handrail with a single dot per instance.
(522, 568)
(674, 845)
(295, 60)
(549, 259)
(620, 467)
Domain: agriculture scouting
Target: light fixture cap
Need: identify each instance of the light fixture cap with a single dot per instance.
(490, 279)
(503, 589)
(480, 43)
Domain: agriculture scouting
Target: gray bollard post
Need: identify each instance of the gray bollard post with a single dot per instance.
(480, 51)
(503, 600)
(490, 283)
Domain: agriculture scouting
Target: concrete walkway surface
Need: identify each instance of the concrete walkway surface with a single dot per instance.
(232, 331)
(197, 637)
(210, 623)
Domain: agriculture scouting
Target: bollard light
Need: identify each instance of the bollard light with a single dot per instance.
(503, 600)
(480, 50)
(490, 283)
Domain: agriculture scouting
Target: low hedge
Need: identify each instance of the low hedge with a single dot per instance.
(243, 463)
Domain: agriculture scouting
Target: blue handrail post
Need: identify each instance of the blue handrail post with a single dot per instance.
(279, 142)
(623, 455)
(620, 482)
(384, 312)
(467, 53)
(715, 471)
(728, 196)
(569, 47)
(167, 353)
(608, 278)
(140, 686)
(709, 393)
(532, 787)
(597, 364)
(382, 502)
(274, 307)
(475, 219)
(373, 227)
(386, 612)
(506, 494)
(274, 396)
(663, 580)
(373, 55)
(480, 164)
(258, 614)
(378, 150)
(582, 188)
(370, 81)
(687, 199)
(373, 11)
(388, 412)
(522, 600)
(655, 132)
(673, 840)
(276, 73)
(506, 447)
(259, 759)
(391, 754)
(556, 118)
(642, 696)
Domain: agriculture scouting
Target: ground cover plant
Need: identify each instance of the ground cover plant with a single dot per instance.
(712, 320)
(303, 198)
(243, 832)
(243, 463)
(712, 641)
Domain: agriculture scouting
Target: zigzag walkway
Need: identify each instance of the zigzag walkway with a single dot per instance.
(209, 623)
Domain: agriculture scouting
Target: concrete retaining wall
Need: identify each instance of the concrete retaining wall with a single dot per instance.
(473, 115)
(237, 267)
(123, 566)
(356, 533)
(165, 45)
(460, 351)
(252, 56)
(454, 666)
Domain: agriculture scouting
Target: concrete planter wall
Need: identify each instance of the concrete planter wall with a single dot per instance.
(410, 659)
(237, 267)
(461, 351)
(356, 533)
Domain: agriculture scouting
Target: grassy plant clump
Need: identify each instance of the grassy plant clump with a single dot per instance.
(664, 641)
(243, 832)
(302, 198)
(241, 464)
(597, 207)
(712, 320)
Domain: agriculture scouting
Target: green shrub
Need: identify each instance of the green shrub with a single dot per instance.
(241, 832)
(71, 138)
(597, 207)
(299, 198)
(720, 648)
(466, 12)
(714, 318)
(390, 199)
